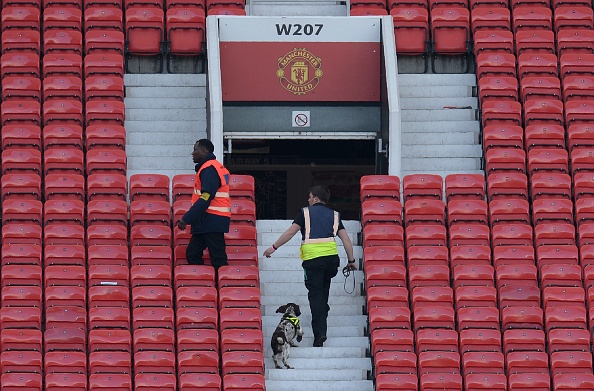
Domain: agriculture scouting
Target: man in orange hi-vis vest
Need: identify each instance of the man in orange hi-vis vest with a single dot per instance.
(210, 213)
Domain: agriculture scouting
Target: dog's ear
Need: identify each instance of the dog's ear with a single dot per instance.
(282, 309)
(297, 309)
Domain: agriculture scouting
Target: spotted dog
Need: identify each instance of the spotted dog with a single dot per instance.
(287, 330)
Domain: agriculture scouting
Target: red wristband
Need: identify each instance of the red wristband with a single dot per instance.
(274, 248)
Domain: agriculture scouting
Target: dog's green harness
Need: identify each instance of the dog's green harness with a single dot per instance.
(295, 321)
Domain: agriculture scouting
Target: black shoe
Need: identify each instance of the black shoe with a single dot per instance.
(319, 342)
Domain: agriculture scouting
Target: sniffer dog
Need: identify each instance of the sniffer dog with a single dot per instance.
(287, 330)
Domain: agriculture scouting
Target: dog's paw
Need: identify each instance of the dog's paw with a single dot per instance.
(288, 366)
(293, 344)
(299, 338)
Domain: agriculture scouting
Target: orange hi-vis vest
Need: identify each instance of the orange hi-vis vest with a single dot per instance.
(220, 204)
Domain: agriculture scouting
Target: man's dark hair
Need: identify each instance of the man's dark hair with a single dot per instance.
(322, 192)
(206, 144)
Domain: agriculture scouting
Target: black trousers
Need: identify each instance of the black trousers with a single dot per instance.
(214, 241)
(318, 273)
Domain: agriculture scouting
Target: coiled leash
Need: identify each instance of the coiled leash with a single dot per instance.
(346, 273)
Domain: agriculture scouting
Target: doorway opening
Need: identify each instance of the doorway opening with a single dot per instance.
(285, 169)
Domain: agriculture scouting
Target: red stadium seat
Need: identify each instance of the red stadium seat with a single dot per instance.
(21, 160)
(63, 161)
(433, 317)
(145, 27)
(104, 64)
(460, 211)
(100, 112)
(21, 254)
(485, 381)
(507, 184)
(202, 361)
(107, 212)
(573, 381)
(476, 296)
(492, 40)
(106, 161)
(382, 235)
(571, 363)
(415, 211)
(110, 340)
(63, 135)
(436, 362)
(250, 318)
(21, 233)
(21, 275)
(426, 235)
(441, 381)
(464, 186)
(534, 40)
(241, 186)
(554, 233)
(65, 64)
(519, 296)
(498, 86)
(155, 382)
(387, 296)
(19, 64)
(199, 317)
(242, 211)
(480, 340)
(566, 317)
(422, 185)
(186, 27)
(153, 317)
(107, 234)
(575, 64)
(422, 275)
(242, 340)
(62, 41)
(196, 296)
(470, 255)
(544, 135)
(110, 362)
(383, 340)
(22, 381)
(496, 112)
(21, 112)
(482, 363)
(395, 362)
(503, 135)
(424, 255)
(380, 211)
(469, 234)
(547, 159)
(527, 18)
(21, 87)
(557, 254)
(237, 382)
(522, 317)
(412, 23)
(23, 320)
(553, 209)
(105, 136)
(65, 362)
(506, 211)
(568, 340)
(21, 16)
(543, 111)
(578, 135)
(200, 382)
(490, 18)
(389, 318)
(102, 40)
(107, 186)
(104, 18)
(17, 135)
(572, 16)
(198, 339)
(468, 275)
(21, 361)
(523, 340)
(537, 64)
(104, 87)
(522, 274)
(528, 362)
(154, 211)
(21, 296)
(570, 40)
(22, 210)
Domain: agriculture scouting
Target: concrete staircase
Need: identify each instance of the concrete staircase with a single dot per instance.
(341, 365)
(431, 146)
(165, 115)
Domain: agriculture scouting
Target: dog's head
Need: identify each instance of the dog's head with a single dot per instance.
(290, 309)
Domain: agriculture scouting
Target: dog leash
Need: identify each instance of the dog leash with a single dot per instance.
(346, 273)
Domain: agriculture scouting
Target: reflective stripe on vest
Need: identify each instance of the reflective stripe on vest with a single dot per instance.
(220, 203)
(317, 247)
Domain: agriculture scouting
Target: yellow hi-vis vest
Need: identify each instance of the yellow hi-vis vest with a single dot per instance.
(317, 247)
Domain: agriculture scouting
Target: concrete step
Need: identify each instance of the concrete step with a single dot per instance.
(161, 138)
(280, 226)
(331, 385)
(269, 321)
(291, 276)
(284, 375)
(445, 103)
(432, 80)
(171, 151)
(439, 115)
(293, 289)
(429, 164)
(267, 238)
(287, 257)
(443, 173)
(360, 342)
(195, 127)
(333, 332)
(165, 80)
(345, 309)
(276, 301)
(306, 351)
(445, 151)
(169, 92)
(330, 364)
(180, 114)
(440, 127)
(440, 138)
(191, 102)
(413, 91)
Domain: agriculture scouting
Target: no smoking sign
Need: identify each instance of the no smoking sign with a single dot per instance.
(301, 119)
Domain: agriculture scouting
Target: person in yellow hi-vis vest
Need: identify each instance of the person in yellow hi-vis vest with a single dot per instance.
(318, 224)
(210, 213)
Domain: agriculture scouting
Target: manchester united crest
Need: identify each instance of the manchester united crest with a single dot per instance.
(299, 71)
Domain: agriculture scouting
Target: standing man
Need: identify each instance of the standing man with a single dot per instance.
(210, 213)
(318, 225)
